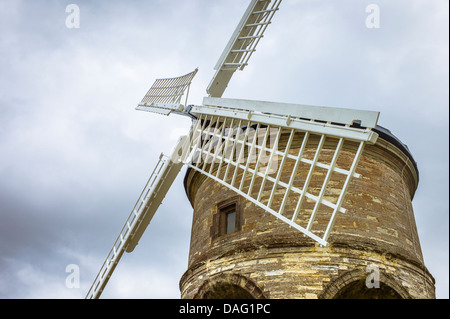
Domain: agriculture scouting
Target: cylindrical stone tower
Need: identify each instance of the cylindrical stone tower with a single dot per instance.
(238, 250)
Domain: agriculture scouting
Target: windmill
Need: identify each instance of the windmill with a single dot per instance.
(226, 133)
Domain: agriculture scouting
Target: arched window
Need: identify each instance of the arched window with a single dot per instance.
(227, 291)
(229, 286)
(352, 285)
(359, 290)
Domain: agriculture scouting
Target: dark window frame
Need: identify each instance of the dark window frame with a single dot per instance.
(219, 225)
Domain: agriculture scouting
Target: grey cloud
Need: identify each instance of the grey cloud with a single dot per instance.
(75, 153)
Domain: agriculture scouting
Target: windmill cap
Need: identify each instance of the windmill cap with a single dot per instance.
(387, 135)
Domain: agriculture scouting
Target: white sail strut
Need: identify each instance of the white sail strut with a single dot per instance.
(155, 190)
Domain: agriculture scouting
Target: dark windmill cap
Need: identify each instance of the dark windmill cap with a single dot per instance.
(387, 135)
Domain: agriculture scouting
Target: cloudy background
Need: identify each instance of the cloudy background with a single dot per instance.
(75, 154)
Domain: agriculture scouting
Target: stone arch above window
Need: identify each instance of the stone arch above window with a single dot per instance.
(352, 285)
(229, 286)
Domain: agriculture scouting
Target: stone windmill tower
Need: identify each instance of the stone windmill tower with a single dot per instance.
(289, 200)
(373, 251)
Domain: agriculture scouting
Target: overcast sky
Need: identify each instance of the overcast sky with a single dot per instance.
(75, 154)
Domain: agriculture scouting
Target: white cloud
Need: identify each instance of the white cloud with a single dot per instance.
(32, 282)
(142, 282)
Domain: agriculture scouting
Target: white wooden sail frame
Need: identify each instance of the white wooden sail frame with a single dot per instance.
(164, 96)
(242, 43)
(220, 136)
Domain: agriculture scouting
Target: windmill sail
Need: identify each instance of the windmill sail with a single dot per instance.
(142, 213)
(236, 143)
(221, 144)
(164, 96)
(242, 44)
